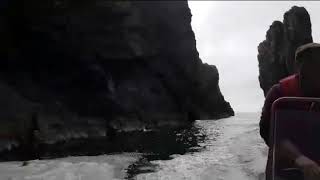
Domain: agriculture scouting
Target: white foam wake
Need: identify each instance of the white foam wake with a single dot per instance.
(107, 167)
(234, 150)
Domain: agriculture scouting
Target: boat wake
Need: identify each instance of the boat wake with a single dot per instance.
(227, 149)
(233, 150)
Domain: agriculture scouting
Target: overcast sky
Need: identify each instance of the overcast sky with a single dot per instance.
(228, 34)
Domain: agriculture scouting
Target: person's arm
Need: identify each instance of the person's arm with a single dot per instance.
(289, 150)
(273, 94)
(309, 167)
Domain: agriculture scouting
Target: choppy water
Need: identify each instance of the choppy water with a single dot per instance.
(217, 150)
(232, 149)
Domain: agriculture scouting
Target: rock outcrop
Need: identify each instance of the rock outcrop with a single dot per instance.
(79, 65)
(277, 53)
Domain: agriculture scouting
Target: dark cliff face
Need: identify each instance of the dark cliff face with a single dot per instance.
(82, 64)
(277, 53)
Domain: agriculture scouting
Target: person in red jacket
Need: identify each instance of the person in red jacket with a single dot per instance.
(306, 83)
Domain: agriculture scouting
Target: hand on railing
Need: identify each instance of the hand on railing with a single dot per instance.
(311, 169)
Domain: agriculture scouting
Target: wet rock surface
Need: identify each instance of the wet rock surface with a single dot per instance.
(277, 53)
(82, 66)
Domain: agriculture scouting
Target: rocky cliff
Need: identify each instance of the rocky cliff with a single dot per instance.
(277, 52)
(79, 65)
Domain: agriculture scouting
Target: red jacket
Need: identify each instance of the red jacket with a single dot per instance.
(287, 87)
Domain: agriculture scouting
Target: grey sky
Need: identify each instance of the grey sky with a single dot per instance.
(228, 34)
